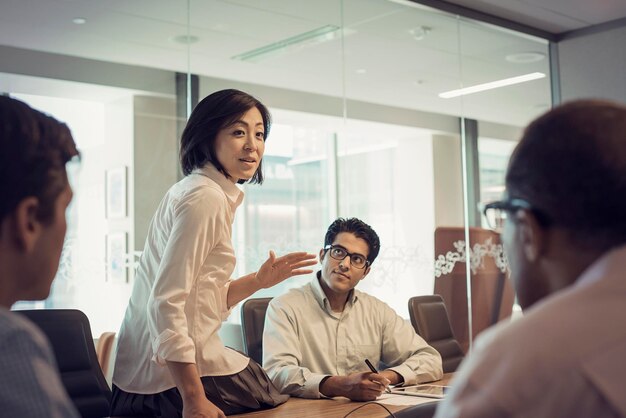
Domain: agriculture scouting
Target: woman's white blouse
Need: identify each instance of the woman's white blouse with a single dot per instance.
(179, 298)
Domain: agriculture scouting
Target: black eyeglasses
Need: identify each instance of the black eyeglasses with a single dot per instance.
(496, 212)
(339, 253)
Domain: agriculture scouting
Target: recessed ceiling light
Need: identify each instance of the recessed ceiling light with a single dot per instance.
(79, 20)
(185, 39)
(361, 71)
(491, 85)
(525, 57)
(420, 33)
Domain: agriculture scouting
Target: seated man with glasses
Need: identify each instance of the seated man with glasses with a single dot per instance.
(563, 223)
(317, 337)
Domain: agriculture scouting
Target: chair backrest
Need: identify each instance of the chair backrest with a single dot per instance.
(252, 324)
(492, 294)
(424, 410)
(69, 334)
(430, 319)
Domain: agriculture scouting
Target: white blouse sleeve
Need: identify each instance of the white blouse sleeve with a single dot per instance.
(197, 221)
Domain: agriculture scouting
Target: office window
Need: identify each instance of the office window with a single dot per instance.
(493, 155)
(361, 128)
(379, 173)
(289, 211)
(385, 177)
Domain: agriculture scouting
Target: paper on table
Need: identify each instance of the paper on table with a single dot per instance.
(393, 399)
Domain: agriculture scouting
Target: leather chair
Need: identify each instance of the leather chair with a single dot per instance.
(492, 295)
(252, 324)
(69, 333)
(424, 410)
(430, 319)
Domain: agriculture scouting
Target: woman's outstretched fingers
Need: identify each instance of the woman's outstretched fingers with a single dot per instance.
(276, 269)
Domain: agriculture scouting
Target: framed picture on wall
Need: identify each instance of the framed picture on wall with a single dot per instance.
(115, 184)
(116, 256)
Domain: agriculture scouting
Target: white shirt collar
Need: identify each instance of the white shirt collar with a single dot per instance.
(232, 191)
(319, 294)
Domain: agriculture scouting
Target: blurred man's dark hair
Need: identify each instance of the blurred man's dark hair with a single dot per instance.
(34, 149)
(571, 167)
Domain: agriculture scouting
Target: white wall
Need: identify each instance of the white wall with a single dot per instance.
(155, 157)
(104, 301)
(594, 65)
(448, 175)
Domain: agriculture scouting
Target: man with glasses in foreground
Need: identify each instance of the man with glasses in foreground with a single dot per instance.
(317, 337)
(563, 224)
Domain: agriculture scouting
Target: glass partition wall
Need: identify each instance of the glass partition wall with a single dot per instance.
(507, 76)
(368, 122)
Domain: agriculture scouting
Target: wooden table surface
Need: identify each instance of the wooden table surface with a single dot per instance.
(329, 408)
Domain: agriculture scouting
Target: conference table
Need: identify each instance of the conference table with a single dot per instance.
(329, 408)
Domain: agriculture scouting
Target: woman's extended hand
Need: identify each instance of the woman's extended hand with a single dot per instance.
(275, 270)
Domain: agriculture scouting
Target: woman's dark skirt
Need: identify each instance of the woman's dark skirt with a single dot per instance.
(248, 390)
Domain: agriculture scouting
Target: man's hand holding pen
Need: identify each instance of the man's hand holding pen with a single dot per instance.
(377, 377)
(362, 386)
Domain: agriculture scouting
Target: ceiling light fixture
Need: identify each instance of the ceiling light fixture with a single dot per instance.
(525, 57)
(420, 33)
(491, 85)
(185, 39)
(295, 43)
(79, 20)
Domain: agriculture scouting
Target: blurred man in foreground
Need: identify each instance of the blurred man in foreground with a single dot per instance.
(34, 194)
(563, 223)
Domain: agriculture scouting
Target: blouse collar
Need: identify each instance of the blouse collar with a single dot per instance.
(232, 191)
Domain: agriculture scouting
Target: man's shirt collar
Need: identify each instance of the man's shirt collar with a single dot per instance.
(321, 297)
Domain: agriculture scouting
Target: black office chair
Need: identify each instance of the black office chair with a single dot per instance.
(70, 336)
(424, 410)
(430, 319)
(252, 324)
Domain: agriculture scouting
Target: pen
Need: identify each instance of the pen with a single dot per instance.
(373, 369)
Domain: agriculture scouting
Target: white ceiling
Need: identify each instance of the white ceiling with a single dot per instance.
(378, 61)
(555, 16)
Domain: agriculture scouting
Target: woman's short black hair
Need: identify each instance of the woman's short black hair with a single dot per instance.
(34, 149)
(360, 230)
(215, 112)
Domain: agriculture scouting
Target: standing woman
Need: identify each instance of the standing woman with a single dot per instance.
(170, 360)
